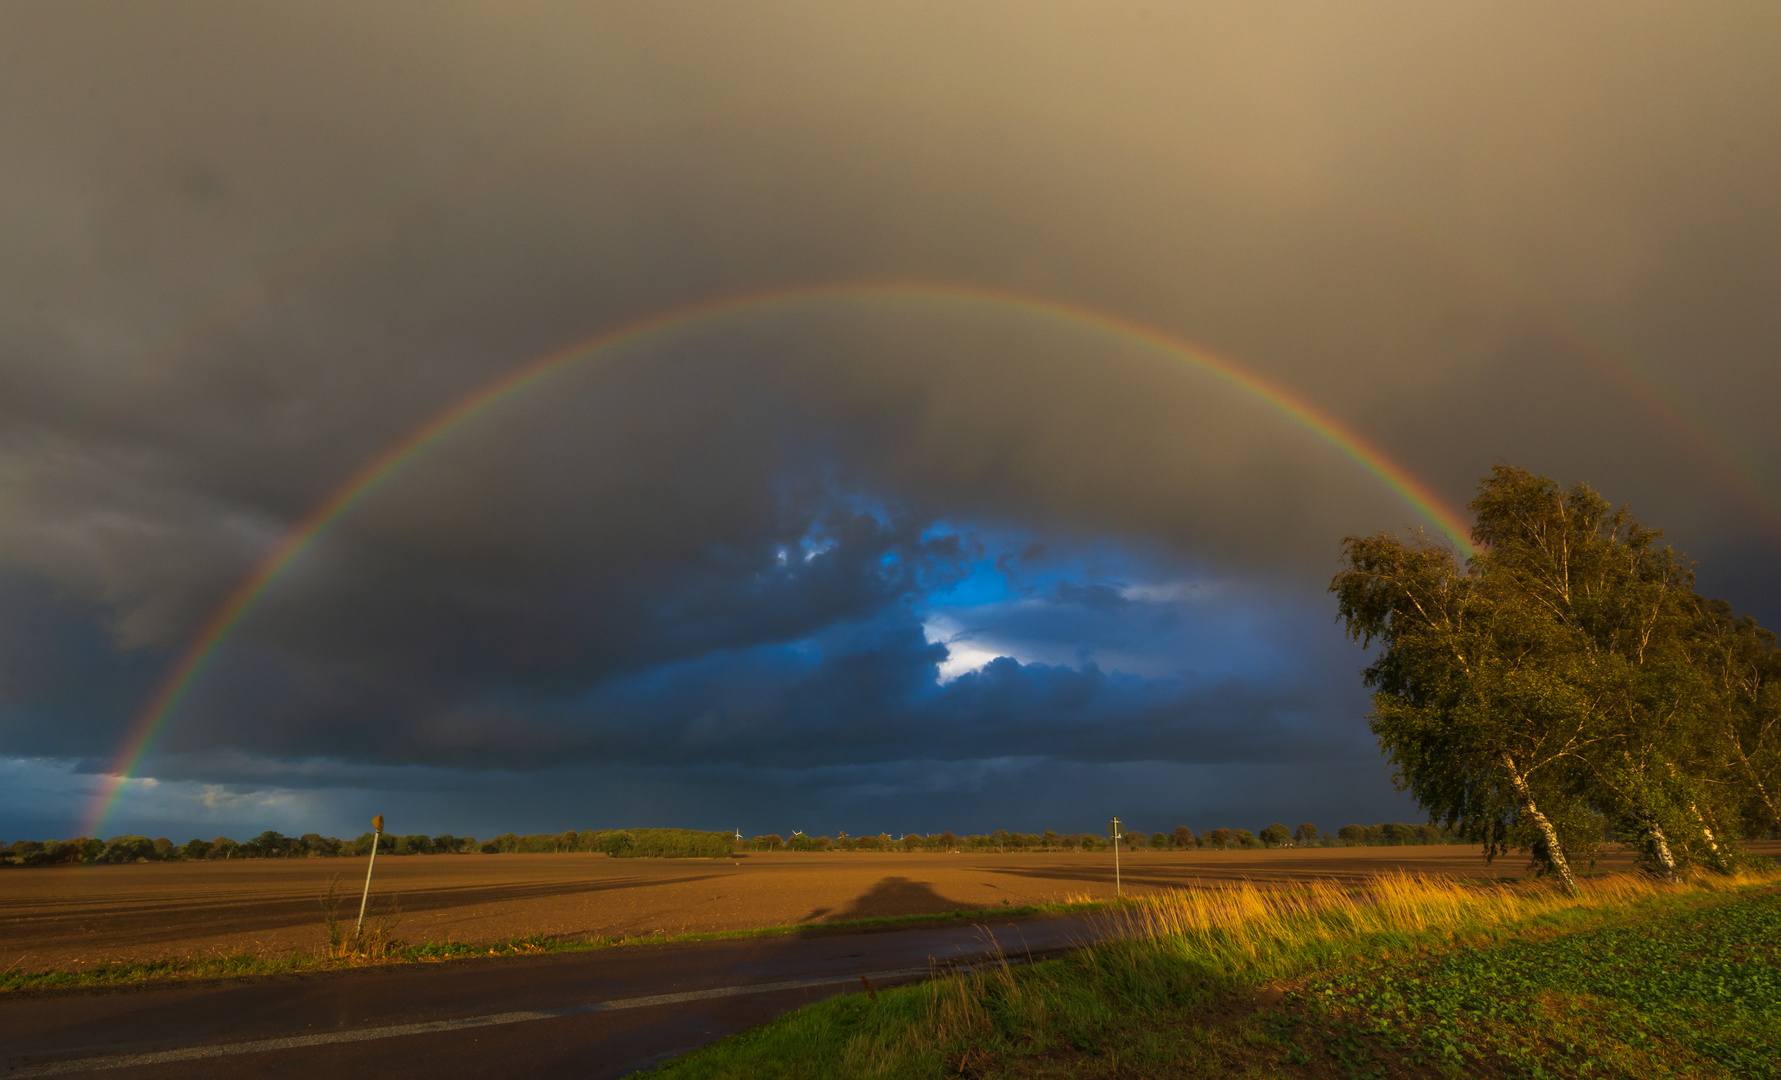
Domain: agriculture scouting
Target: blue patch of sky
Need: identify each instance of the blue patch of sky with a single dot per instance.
(1116, 605)
(1045, 597)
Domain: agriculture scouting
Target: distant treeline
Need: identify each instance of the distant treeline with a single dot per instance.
(1179, 839)
(693, 844)
(622, 843)
(618, 843)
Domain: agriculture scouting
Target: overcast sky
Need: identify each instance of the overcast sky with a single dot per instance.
(865, 560)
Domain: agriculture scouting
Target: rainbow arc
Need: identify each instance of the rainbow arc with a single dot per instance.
(178, 681)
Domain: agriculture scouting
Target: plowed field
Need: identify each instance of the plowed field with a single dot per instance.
(74, 916)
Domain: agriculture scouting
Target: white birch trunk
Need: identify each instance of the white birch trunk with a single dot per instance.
(1719, 860)
(1555, 855)
(1660, 851)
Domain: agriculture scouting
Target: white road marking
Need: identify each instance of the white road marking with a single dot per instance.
(297, 1042)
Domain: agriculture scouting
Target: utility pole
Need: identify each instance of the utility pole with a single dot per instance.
(376, 831)
(1114, 829)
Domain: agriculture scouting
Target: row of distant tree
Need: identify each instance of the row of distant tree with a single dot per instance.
(267, 845)
(622, 843)
(619, 843)
(1181, 838)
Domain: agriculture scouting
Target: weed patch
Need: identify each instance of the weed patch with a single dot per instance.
(360, 945)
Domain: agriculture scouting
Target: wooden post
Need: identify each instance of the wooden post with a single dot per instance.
(1118, 890)
(376, 832)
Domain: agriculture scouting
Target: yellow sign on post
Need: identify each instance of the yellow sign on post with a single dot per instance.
(376, 832)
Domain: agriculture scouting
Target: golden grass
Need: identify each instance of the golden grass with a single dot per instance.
(1243, 923)
(1238, 933)
(1170, 986)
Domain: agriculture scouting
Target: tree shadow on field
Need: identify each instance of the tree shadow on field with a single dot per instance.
(891, 896)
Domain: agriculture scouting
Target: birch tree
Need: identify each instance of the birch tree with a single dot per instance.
(1742, 662)
(1471, 698)
(1567, 671)
(1627, 603)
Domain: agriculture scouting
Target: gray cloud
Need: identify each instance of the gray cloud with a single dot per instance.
(250, 249)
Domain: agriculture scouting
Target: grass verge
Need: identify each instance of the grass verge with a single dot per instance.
(379, 945)
(1690, 993)
(1402, 976)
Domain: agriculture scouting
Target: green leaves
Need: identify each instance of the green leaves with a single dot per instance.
(1566, 681)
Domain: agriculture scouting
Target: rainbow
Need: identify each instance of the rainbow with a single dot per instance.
(178, 681)
(1735, 468)
(1732, 466)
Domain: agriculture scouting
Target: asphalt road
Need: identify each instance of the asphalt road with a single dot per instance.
(596, 1014)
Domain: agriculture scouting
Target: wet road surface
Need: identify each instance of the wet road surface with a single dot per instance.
(597, 1014)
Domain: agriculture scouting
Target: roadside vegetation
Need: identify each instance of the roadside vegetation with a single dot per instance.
(1627, 976)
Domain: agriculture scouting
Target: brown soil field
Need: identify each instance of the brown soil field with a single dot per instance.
(62, 917)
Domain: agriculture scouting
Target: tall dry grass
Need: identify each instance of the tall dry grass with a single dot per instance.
(1204, 941)
(1243, 924)
(1161, 958)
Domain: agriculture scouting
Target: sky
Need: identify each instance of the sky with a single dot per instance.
(825, 417)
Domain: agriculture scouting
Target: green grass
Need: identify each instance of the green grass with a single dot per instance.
(247, 965)
(1405, 979)
(1692, 993)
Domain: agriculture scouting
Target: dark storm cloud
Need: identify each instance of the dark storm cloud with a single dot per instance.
(248, 249)
(878, 702)
(457, 673)
(62, 683)
(801, 648)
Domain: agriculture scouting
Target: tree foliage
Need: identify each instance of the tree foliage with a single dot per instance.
(1565, 682)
